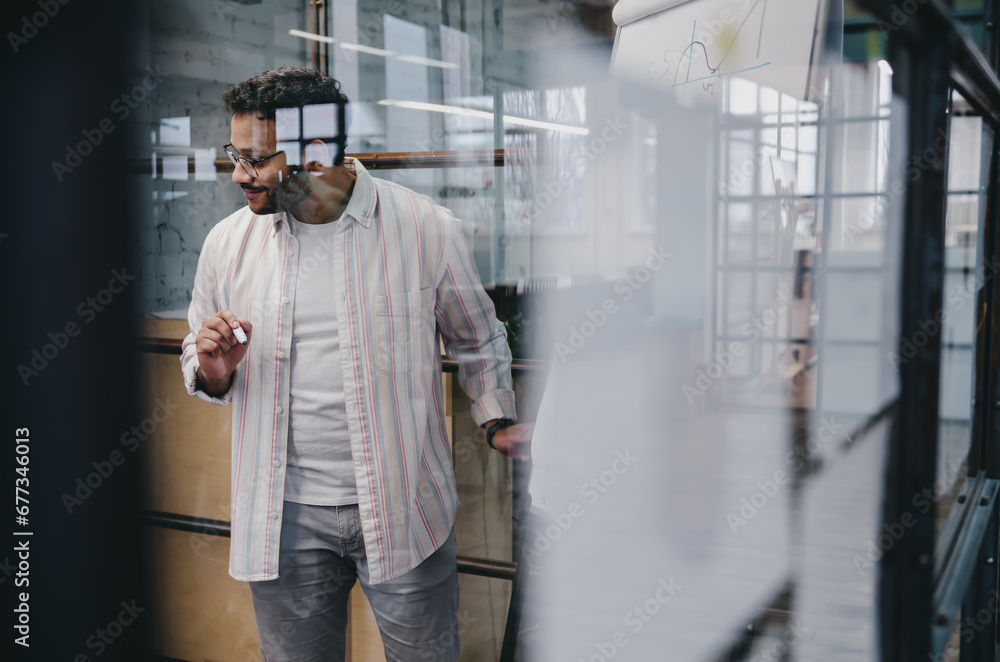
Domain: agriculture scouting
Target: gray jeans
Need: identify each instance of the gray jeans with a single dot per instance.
(302, 615)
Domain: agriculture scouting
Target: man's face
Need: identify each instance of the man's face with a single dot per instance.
(275, 187)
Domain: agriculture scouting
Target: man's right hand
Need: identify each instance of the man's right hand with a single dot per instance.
(219, 352)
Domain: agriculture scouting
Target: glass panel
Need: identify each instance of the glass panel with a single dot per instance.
(958, 320)
(965, 150)
(715, 286)
(857, 174)
(558, 189)
(739, 237)
(857, 287)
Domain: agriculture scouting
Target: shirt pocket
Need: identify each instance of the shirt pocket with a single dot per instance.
(400, 318)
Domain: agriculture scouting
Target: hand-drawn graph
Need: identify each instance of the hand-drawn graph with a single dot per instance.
(697, 50)
(689, 47)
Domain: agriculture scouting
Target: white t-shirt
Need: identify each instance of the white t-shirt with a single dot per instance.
(320, 467)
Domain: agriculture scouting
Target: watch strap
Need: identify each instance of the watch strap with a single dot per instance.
(493, 429)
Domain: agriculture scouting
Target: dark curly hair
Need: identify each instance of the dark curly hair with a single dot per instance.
(282, 87)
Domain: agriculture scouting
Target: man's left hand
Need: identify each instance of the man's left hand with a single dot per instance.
(515, 440)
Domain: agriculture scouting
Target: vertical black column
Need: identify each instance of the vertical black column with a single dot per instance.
(982, 595)
(73, 566)
(493, 58)
(906, 578)
(978, 644)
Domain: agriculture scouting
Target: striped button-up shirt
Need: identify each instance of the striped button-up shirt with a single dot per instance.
(404, 280)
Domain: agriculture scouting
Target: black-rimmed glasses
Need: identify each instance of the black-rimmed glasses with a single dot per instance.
(248, 165)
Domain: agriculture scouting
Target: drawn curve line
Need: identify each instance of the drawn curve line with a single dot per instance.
(689, 51)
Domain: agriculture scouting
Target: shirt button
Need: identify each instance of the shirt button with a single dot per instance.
(281, 355)
(274, 515)
(277, 463)
(279, 410)
(284, 299)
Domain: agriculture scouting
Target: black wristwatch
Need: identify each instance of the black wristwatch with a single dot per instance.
(492, 430)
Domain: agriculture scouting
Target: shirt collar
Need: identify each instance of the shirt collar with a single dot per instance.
(364, 198)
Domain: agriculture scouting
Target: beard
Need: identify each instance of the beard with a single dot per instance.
(293, 190)
(288, 193)
(264, 203)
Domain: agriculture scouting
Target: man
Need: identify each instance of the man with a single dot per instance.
(341, 464)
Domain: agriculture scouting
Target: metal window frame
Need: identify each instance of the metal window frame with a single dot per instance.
(920, 599)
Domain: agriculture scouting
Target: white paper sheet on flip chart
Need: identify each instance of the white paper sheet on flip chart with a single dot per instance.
(690, 46)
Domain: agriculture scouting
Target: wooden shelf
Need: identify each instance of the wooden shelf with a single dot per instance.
(160, 345)
(371, 161)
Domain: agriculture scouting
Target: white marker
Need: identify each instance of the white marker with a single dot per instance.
(242, 337)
